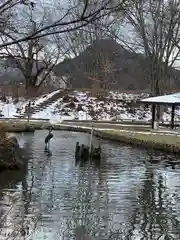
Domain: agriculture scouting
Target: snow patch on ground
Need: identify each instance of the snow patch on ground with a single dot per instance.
(81, 105)
(45, 97)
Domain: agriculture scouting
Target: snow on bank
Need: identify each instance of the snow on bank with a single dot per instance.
(81, 105)
(115, 106)
(45, 97)
(50, 113)
(38, 100)
(8, 110)
(55, 116)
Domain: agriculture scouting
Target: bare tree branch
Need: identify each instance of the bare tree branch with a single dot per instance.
(154, 27)
(83, 19)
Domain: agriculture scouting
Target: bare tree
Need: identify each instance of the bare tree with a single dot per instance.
(35, 58)
(7, 13)
(151, 28)
(98, 70)
(23, 38)
(154, 25)
(69, 20)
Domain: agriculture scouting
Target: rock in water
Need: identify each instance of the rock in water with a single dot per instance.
(13, 140)
(10, 156)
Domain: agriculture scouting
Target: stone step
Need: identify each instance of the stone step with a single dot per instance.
(42, 106)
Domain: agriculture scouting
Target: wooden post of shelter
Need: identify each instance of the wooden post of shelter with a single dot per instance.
(153, 114)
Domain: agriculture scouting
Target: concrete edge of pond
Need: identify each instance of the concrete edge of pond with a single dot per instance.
(18, 127)
(133, 140)
(170, 146)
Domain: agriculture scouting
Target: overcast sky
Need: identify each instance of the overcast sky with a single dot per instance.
(54, 10)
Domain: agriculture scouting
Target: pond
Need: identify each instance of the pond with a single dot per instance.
(125, 198)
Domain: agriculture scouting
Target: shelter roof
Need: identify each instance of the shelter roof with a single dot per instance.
(165, 99)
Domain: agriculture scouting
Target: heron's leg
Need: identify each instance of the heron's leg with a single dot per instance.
(45, 147)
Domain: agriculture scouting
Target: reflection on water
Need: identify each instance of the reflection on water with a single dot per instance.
(125, 198)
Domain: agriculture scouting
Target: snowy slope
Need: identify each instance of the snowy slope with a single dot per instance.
(82, 106)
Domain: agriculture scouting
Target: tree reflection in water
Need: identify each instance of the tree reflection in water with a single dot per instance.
(15, 227)
(90, 205)
(152, 219)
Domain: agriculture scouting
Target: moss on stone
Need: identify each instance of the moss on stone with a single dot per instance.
(153, 137)
(23, 126)
(169, 143)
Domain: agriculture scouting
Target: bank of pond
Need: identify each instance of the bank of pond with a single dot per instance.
(12, 156)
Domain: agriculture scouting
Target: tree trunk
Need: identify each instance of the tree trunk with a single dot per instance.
(157, 89)
(31, 92)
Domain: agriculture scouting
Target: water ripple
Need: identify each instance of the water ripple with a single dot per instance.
(127, 197)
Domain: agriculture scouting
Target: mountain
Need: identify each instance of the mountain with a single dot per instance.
(106, 63)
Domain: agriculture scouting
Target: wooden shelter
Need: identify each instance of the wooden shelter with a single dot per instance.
(172, 100)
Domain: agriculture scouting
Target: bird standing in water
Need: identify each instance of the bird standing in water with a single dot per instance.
(47, 139)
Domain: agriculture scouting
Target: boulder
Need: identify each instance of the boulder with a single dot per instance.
(10, 155)
(13, 140)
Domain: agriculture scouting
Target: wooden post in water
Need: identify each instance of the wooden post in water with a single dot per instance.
(153, 115)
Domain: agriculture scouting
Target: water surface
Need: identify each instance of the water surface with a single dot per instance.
(125, 198)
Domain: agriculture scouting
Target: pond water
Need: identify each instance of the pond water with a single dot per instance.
(125, 198)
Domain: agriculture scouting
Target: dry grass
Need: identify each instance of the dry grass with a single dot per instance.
(135, 128)
(20, 126)
(116, 126)
(13, 126)
(157, 138)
